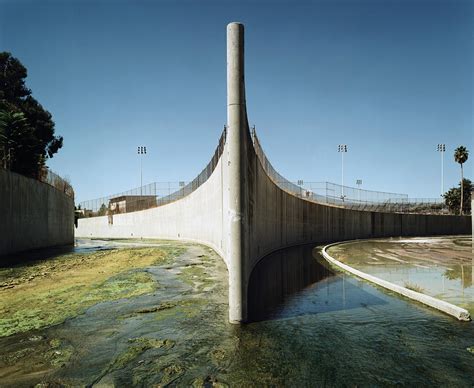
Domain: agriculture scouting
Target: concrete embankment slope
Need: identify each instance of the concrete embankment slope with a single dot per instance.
(33, 214)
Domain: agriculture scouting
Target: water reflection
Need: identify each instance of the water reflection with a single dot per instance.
(338, 332)
(441, 267)
(297, 281)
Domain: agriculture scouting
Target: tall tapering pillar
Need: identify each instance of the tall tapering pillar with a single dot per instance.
(236, 121)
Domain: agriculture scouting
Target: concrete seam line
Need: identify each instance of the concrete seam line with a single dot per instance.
(448, 308)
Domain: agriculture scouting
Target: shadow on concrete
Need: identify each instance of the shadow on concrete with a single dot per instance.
(296, 281)
(30, 256)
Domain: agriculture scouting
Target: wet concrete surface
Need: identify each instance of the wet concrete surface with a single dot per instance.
(313, 327)
(441, 267)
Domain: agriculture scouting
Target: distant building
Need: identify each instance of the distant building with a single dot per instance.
(131, 203)
(83, 213)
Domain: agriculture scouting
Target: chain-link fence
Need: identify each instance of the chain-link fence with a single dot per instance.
(151, 195)
(160, 193)
(49, 177)
(348, 197)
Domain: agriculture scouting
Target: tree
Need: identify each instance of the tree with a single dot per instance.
(15, 97)
(103, 210)
(452, 197)
(460, 156)
(16, 139)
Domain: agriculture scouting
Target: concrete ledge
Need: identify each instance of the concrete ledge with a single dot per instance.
(448, 308)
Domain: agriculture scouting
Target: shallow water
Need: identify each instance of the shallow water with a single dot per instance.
(311, 327)
(439, 266)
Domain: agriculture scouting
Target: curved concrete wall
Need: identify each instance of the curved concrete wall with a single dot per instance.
(196, 217)
(33, 214)
(278, 219)
(244, 215)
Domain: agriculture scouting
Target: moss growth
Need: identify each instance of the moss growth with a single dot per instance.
(207, 382)
(139, 346)
(56, 305)
(48, 292)
(171, 373)
(219, 356)
(160, 307)
(196, 276)
(59, 357)
(14, 357)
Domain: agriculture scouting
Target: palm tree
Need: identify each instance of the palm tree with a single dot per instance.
(461, 155)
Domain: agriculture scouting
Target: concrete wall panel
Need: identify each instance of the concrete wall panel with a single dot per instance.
(33, 214)
(196, 217)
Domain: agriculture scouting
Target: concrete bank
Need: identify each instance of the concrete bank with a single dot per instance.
(448, 308)
(33, 214)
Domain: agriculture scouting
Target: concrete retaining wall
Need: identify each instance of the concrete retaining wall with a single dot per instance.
(197, 217)
(33, 214)
(277, 219)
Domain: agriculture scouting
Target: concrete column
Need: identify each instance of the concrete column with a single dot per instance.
(235, 126)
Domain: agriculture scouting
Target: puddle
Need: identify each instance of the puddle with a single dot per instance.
(441, 267)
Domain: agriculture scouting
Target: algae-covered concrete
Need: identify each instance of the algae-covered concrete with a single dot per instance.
(33, 214)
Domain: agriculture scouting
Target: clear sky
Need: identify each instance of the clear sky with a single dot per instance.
(391, 79)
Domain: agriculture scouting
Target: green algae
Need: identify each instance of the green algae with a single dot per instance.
(60, 356)
(57, 305)
(45, 293)
(53, 353)
(207, 382)
(139, 346)
(154, 309)
(196, 276)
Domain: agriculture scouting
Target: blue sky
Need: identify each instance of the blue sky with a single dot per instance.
(391, 79)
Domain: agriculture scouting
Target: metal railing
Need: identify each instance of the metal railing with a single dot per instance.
(153, 194)
(345, 196)
(51, 178)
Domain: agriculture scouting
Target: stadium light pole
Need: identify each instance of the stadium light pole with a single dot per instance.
(342, 148)
(141, 151)
(442, 149)
(358, 183)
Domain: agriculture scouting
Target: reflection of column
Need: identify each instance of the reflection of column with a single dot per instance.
(343, 290)
(462, 279)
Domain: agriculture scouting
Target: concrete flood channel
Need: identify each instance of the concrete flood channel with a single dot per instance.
(154, 313)
(441, 267)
